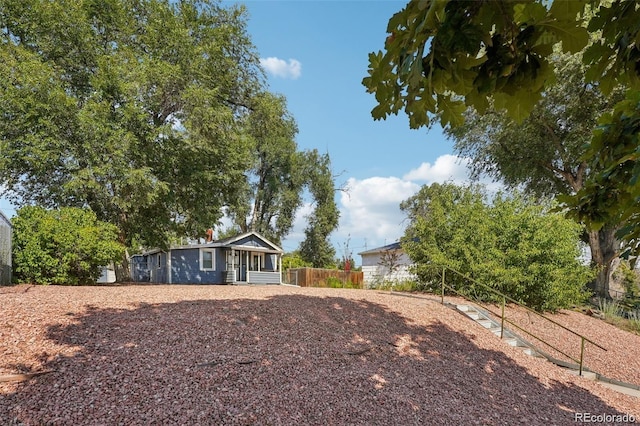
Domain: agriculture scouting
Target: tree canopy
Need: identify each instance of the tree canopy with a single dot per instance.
(508, 243)
(278, 175)
(152, 113)
(129, 107)
(443, 56)
(273, 183)
(543, 154)
(323, 220)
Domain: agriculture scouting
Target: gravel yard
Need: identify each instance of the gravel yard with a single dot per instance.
(276, 355)
(620, 361)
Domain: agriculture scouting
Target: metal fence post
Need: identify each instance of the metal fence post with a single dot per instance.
(581, 353)
(502, 319)
(442, 293)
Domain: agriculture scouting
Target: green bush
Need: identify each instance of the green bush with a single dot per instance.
(510, 244)
(66, 246)
(405, 285)
(333, 282)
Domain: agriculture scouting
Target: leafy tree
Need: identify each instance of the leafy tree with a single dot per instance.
(275, 180)
(293, 260)
(129, 107)
(544, 153)
(444, 56)
(629, 279)
(278, 176)
(316, 247)
(65, 246)
(515, 246)
(228, 232)
(390, 261)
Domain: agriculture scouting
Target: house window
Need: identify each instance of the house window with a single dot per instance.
(258, 262)
(159, 260)
(207, 260)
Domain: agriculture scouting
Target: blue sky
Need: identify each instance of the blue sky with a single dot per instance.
(315, 53)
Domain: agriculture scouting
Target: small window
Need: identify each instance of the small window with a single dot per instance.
(207, 260)
(258, 262)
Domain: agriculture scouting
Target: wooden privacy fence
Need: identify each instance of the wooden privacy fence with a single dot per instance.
(316, 277)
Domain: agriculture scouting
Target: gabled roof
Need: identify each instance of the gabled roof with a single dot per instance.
(226, 242)
(5, 219)
(388, 247)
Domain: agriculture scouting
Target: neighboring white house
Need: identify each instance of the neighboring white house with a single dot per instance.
(387, 263)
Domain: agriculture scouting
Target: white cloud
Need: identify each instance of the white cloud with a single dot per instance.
(281, 68)
(371, 210)
(446, 168)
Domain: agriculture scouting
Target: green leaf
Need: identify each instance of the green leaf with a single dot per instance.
(573, 37)
(529, 13)
(467, 61)
(519, 106)
(567, 10)
(477, 100)
(452, 111)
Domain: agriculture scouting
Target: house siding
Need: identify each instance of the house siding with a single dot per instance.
(183, 265)
(252, 241)
(139, 269)
(186, 269)
(256, 277)
(374, 273)
(157, 265)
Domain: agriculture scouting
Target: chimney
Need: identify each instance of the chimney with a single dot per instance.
(209, 235)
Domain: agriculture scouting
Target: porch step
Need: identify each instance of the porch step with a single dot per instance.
(512, 341)
(481, 317)
(532, 352)
(485, 323)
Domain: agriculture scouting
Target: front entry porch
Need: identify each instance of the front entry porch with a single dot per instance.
(252, 266)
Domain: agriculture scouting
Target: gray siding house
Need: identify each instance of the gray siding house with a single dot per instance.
(247, 258)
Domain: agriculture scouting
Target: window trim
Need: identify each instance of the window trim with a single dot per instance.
(213, 259)
(261, 261)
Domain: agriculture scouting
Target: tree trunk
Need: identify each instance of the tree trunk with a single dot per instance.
(604, 250)
(122, 269)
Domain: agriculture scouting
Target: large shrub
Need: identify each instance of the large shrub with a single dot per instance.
(65, 246)
(508, 243)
